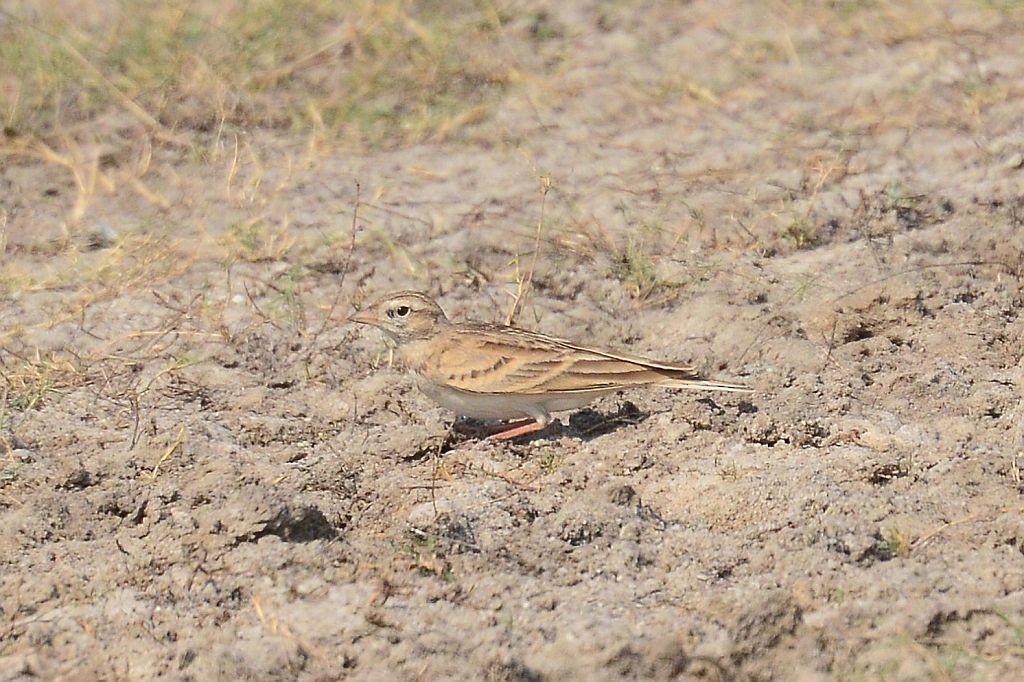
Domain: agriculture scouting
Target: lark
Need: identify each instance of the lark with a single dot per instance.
(488, 371)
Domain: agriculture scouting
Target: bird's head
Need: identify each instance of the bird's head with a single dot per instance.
(403, 316)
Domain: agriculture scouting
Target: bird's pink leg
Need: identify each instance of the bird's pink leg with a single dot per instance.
(518, 429)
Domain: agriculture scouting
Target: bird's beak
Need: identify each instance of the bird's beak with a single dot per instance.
(362, 317)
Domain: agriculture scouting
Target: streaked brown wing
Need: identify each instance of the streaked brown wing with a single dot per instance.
(492, 359)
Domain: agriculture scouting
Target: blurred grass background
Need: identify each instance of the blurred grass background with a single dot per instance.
(385, 72)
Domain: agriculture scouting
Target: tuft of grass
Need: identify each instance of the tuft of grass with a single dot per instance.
(384, 71)
(28, 383)
(12, 281)
(551, 461)
(426, 554)
(801, 232)
(894, 543)
(134, 261)
(9, 473)
(256, 241)
(637, 270)
(544, 27)
(896, 196)
(731, 471)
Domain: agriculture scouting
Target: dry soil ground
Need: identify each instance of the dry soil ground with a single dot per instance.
(206, 474)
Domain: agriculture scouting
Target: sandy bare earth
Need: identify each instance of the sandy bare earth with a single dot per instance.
(206, 474)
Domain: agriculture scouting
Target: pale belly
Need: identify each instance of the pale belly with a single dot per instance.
(507, 406)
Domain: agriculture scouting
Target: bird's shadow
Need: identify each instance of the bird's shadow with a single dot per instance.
(586, 424)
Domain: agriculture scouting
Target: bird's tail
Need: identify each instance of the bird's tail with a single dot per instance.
(705, 385)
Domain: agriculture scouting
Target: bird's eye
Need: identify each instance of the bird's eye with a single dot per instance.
(403, 310)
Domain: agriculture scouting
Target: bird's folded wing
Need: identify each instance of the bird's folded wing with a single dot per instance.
(503, 360)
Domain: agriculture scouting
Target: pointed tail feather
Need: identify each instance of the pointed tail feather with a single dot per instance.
(705, 385)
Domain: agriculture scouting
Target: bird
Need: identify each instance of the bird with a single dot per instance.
(490, 371)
